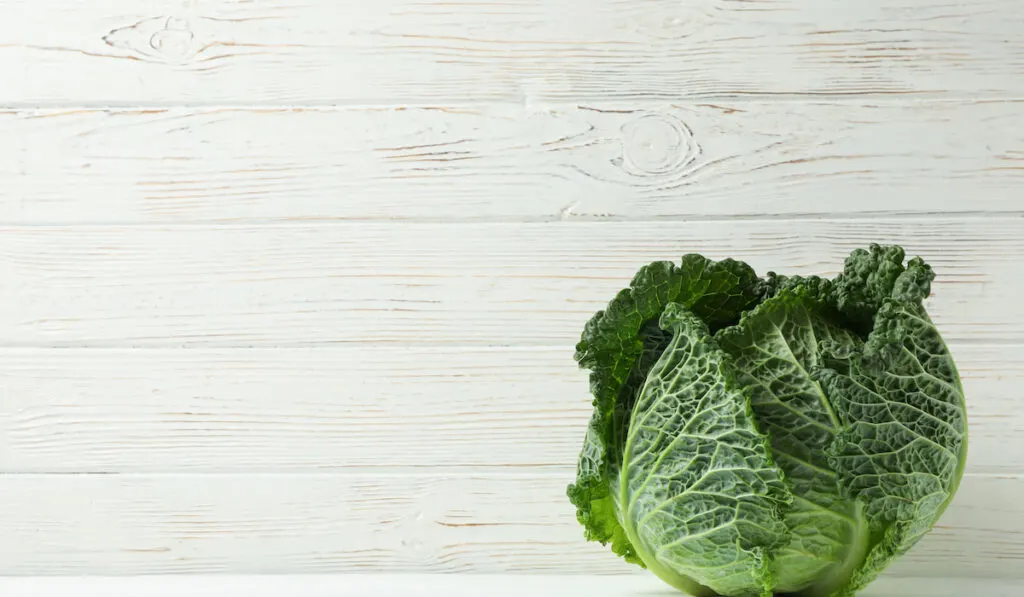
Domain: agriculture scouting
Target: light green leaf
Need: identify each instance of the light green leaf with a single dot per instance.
(702, 499)
(619, 345)
(775, 347)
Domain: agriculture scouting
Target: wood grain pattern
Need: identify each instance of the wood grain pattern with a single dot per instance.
(509, 163)
(433, 284)
(292, 287)
(138, 524)
(130, 52)
(364, 409)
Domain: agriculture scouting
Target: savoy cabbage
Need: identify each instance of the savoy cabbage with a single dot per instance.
(779, 435)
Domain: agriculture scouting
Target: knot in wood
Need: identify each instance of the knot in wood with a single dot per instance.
(160, 39)
(175, 40)
(656, 144)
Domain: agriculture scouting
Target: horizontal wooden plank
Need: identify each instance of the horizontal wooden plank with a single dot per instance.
(128, 524)
(433, 585)
(355, 409)
(468, 284)
(509, 162)
(152, 52)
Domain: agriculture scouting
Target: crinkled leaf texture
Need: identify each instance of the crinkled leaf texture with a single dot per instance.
(784, 435)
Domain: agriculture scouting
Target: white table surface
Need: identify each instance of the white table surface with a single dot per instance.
(441, 586)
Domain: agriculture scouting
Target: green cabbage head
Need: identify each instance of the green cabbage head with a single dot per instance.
(769, 436)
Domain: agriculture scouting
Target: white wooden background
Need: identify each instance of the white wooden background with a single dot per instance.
(293, 286)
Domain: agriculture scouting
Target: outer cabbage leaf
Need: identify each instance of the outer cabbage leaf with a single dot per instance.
(619, 345)
(903, 446)
(775, 347)
(867, 280)
(871, 435)
(701, 497)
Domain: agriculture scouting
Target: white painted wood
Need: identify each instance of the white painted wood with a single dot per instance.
(650, 160)
(131, 52)
(292, 287)
(418, 585)
(508, 523)
(435, 284)
(359, 409)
